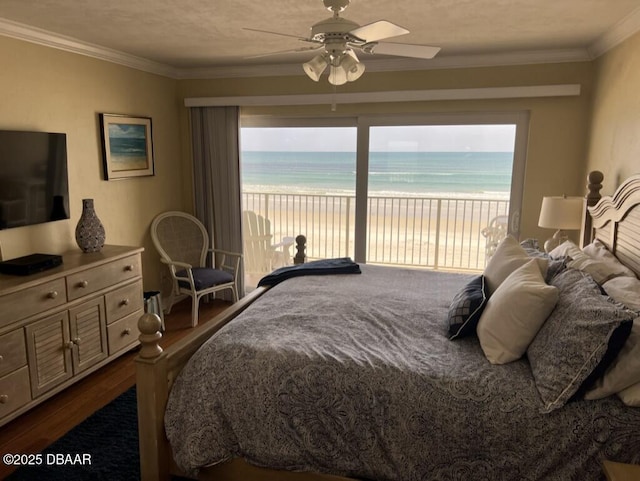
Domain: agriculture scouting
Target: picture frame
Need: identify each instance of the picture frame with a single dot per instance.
(127, 146)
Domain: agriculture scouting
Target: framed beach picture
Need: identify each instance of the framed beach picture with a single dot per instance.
(127, 146)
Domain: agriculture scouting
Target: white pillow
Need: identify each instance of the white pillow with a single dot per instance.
(625, 290)
(515, 313)
(598, 251)
(600, 270)
(566, 249)
(624, 371)
(631, 396)
(508, 257)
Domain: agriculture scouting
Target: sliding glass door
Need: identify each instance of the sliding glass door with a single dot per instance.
(433, 189)
(296, 180)
(420, 191)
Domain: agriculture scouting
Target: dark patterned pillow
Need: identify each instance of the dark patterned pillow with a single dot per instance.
(580, 338)
(466, 308)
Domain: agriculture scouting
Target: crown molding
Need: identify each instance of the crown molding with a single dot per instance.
(45, 38)
(621, 31)
(616, 35)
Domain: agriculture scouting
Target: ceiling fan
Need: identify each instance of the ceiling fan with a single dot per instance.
(337, 39)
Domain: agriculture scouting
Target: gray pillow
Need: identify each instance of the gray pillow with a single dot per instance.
(556, 266)
(578, 341)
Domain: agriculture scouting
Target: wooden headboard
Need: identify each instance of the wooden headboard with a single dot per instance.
(615, 220)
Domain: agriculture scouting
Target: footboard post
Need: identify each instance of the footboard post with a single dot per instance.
(152, 392)
(301, 245)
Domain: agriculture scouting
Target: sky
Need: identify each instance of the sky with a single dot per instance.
(432, 138)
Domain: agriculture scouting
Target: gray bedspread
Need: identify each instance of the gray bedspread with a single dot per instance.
(354, 375)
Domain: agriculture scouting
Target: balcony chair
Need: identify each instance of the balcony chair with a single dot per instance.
(260, 255)
(495, 232)
(183, 245)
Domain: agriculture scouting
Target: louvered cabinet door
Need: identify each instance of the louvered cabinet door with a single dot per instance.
(49, 352)
(88, 330)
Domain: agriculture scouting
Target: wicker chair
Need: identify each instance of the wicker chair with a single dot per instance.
(495, 232)
(183, 245)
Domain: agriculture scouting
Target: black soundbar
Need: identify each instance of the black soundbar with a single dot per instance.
(27, 265)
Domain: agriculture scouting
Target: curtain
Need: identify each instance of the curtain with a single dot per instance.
(216, 177)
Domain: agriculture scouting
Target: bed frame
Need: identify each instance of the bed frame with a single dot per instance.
(613, 220)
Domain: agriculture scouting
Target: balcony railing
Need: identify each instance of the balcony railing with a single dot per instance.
(432, 232)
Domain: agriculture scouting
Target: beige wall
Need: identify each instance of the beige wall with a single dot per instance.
(558, 125)
(614, 139)
(50, 90)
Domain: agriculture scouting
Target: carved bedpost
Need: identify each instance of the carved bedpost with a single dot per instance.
(301, 245)
(152, 392)
(149, 326)
(594, 185)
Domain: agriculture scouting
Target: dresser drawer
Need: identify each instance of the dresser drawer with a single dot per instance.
(32, 300)
(124, 301)
(13, 353)
(92, 280)
(15, 391)
(124, 332)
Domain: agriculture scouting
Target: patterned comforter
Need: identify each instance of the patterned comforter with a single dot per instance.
(354, 375)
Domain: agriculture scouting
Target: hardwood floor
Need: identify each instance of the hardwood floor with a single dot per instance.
(44, 424)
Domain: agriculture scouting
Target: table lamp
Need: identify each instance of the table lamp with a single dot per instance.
(561, 213)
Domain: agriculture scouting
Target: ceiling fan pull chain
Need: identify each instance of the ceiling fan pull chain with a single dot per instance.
(334, 106)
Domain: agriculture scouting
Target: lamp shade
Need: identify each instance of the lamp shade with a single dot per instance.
(353, 68)
(314, 67)
(561, 213)
(337, 75)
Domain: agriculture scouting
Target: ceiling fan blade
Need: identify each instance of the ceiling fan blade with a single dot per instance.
(402, 50)
(293, 50)
(303, 39)
(375, 31)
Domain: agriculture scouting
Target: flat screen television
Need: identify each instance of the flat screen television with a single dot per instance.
(34, 186)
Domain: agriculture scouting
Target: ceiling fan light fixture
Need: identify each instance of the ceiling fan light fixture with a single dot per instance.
(352, 67)
(337, 75)
(314, 67)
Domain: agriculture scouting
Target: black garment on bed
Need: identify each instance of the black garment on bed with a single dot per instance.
(342, 265)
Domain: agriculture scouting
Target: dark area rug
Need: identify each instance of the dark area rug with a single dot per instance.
(109, 437)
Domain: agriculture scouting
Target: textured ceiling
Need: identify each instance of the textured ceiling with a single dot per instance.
(209, 33)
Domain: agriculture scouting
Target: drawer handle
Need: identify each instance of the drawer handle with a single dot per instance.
(1, 358)
(73, 342)
(124, 302)
(4, 399)
(83, 284)
(52, 294)
(126, 332)
(129, 268)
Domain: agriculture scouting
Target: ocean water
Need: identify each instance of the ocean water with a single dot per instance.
(472, 174)
(128, 146)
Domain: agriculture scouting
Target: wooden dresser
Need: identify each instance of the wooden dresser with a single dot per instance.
(60, 325)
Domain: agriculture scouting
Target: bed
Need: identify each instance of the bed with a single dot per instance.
(371, 385)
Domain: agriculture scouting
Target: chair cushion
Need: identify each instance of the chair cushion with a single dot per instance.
(205, 277)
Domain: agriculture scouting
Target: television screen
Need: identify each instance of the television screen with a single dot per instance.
(33, 178)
